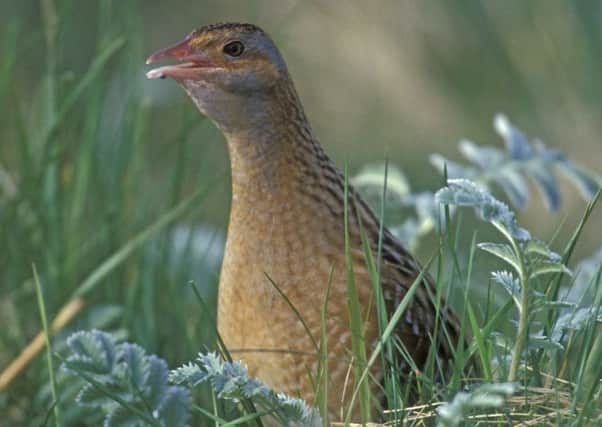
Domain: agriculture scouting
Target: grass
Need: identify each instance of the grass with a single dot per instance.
(49, 353)
(83, 211)
(114, 247)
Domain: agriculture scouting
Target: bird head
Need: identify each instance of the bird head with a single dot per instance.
(225, 68)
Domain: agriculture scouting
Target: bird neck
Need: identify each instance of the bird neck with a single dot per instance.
(276, 148)
(282, 178)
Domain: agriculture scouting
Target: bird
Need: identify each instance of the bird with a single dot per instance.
(285, 247)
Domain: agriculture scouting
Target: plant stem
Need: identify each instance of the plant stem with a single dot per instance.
(523, 322)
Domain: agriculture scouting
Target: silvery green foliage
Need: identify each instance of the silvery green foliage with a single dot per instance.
(101, 316)
(425, 218)
(527, 257)
(372, 178)
(129, 385)
(463, 192)
(525, 254)
(520, 161)
(510, 168)
(510, 284)
(486, 396)
(587, 278)
(574, 320)
(577, 303)
(231, 381)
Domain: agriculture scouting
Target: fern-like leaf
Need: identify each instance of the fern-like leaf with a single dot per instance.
(137, 364)
(93, 352)
(509, 283)
(462, 192)
(231, 382)
(127, 384)
(173, 410)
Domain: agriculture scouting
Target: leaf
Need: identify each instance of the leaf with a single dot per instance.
(156, 383)
(511, 168)
(173, 411)
(134, 391)
(122, 417)
(575, 320)
(407, 232)
(538, 247)
(90, 395)
(505, 389)
(189, 374)
(483, 157)
(454, 169)
(515, 140)
(485, 396)
(231, 381)
(540, 342)
(427, 211)
(94, 351)
(211, 363)
(548, 267)
(552, 305)
(514, 185)
(509, 283)
(502, 251)
(253, 388)
(373, 176)
(462, 192)
(547, 185)
(135, 359)
(586, 277)
(487, 401)
(586, 182)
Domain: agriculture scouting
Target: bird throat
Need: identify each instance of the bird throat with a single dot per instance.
(276, 152)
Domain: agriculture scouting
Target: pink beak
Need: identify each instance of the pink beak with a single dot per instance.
(191, 61)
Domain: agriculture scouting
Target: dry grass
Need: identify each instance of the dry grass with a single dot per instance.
(533, 406)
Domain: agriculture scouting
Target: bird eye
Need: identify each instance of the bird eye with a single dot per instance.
(235, 48)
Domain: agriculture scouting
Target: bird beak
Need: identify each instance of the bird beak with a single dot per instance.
(191, 60)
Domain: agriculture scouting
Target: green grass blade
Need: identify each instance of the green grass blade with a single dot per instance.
(554, 284)
(355, 321)
(221, 345)
(388, 331)
(42, 308)
(481, 346)
(217, 420)
(590, 369)
(322, 383)
(462, 361)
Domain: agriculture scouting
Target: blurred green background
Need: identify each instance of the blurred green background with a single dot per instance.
(81, 175)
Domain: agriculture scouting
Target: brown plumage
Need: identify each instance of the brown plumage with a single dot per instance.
(286, 222)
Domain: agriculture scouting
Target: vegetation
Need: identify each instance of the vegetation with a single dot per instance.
(93, 241)
(132, 387)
